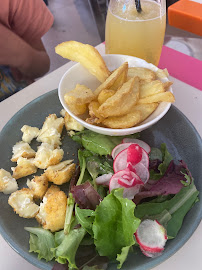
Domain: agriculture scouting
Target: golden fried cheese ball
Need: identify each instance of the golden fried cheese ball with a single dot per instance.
(24, 168)
(47, 155)
(22, 149)
(22, 203)
(8, 184)
(29, 133)
(53, 209)
(38, 185)
(61, 173)
(51, 130)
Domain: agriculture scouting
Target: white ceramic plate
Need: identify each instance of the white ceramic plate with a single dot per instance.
(79, 74)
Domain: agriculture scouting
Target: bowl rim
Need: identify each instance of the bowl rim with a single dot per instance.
(105, 130)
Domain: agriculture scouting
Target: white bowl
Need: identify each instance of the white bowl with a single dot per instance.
(79, 74)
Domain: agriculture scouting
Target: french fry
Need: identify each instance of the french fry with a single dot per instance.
(93, 109)
(93, 120)
(105, 94)
(151, 88)
(111, 79)
(144, 74)
(160, 97)
(162, 73)
(78, 109)
(167, 85)
(122, 101)
(79, 95)
(124, 121)
(145, 110)
(120, 80)
(86, 55)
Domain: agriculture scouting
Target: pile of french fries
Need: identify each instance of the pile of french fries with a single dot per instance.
(125, 97)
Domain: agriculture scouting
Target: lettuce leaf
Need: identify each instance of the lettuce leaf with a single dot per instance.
(99, 143)
(41, 242)
(114, 225)
(172, 211)
(166, 159)
(67, 249)
(85, 217)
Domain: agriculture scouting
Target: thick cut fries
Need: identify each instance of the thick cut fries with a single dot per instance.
(79, 95)
(160, 97)
(145, 110)
(151, 88)
(125, 97)
(122, 101)
(111, 79)
(86, 55)
(124, 121)
(105, 94)
(144, 74)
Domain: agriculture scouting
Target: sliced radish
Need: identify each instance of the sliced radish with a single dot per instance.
(141, 171)
(120, 162)
(119, 148)
(103, 179)
(134, 154)
(151, 236)
(142, 144)
(128, 180)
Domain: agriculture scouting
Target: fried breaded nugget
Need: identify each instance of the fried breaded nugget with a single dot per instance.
(71, 123)
(38, 185)
(29, 133)
(46, 156)
(22, 203)
(52, 210)
(8, 184)
(51, 130)
(61, 173)
(24, 167)
(22, 149)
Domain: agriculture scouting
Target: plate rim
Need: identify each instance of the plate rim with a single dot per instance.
(46, 265)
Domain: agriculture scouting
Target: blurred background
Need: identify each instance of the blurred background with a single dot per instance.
(84, 21)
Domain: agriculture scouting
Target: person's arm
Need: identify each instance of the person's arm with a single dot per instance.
(31, 61)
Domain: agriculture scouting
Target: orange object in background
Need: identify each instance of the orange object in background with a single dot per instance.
(186, 15)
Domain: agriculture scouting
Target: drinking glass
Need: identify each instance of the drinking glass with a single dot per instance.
(134, 31)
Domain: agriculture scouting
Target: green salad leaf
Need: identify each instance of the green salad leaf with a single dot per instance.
(114, 225)
(176, 209)
(99, 143)
(41, 241)
(85, 217)
(66, 251)
(165, 158)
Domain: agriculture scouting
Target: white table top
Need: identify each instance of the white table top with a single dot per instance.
(188, 100)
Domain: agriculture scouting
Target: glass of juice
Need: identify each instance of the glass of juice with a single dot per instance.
(139, 33)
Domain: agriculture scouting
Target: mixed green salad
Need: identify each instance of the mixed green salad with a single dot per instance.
(124, 195)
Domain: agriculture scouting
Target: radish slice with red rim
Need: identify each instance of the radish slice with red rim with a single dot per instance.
(134, 154)
(119, 148)
(103, 179)
(120, 162)
(128, 180)
(152, 237)
(141, 171)
(141, 143)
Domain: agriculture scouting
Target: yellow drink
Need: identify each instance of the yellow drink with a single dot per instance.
(138, 34)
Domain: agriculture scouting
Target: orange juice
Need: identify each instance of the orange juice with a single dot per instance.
(138, 34)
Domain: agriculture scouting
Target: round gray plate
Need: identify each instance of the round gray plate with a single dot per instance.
(174, 129)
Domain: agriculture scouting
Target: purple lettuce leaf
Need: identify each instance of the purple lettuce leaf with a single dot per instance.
(171, 183)
(86, 196)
